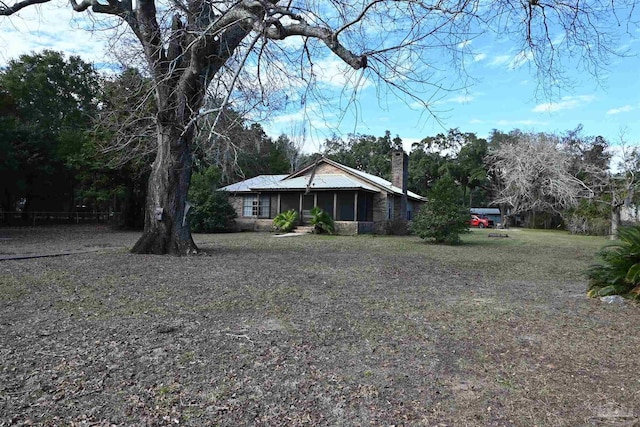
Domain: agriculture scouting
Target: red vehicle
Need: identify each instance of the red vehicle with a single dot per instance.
(480, 221)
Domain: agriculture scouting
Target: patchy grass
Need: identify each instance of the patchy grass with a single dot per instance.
(315, 330)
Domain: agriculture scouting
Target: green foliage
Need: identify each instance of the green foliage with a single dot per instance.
(286, 221)
(212, 212)
(214, 215)
(364, 152)
(321, 220)
(239, 148)
(619, 270)
(590, 217)
(47, 104)
(442, 218)
(456, 154)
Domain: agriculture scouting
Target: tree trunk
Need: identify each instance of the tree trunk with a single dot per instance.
(504, 216)
(166, 231)
(615, 220)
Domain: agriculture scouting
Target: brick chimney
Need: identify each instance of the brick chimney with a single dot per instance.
(400, 178)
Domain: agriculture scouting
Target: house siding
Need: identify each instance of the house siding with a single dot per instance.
(236, 202)
(380, 212)
(325, 168)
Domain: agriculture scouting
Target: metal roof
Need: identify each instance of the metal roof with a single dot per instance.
(296, 181)
(485, 211)
(319, 182)
(248, 184)
(381, 182)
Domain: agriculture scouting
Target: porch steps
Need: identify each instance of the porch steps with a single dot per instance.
(303, 229)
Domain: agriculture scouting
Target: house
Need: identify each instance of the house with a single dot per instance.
(357, 201)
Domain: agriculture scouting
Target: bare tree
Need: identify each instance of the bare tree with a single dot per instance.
(534, 175)
(236, 46)
(614, 188)
(296, 142)
(622, 185)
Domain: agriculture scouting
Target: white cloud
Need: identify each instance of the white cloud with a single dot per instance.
(476, 121)
(500, 60)
(335, 73)
(512, 62)
(559, 39)
(458, 99)
(520, 59)
(525, 122)
(51, 27)
(566, 103)
(624, 109)
(479, 57)
(464, 44)
(461, 99)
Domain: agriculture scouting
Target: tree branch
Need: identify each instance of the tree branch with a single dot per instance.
(6, 10)
(321, 33)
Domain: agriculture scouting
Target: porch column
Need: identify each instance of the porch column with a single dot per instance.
(315, 199)
(279, 207)
(301, 196)
(355, 206)
(335, 206)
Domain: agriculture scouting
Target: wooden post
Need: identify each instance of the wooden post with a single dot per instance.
(300, 218)
(355, 206)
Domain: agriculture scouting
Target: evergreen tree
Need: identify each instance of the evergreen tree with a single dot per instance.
(443, 218)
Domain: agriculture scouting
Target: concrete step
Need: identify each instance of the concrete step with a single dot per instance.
(303, 229)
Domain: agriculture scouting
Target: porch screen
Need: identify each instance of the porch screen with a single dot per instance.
(345, 206)
(365, 207)
(325, 202)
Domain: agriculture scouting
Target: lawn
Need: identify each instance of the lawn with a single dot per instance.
(312, 330)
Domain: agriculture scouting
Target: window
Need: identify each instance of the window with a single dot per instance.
(390, 208)
(254, 206)
(265, 206)
(248, 203)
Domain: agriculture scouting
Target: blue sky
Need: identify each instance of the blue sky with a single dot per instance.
(503, 94)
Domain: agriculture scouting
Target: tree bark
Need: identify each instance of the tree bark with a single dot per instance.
(615, 220)
(166, 231)
(504, 216)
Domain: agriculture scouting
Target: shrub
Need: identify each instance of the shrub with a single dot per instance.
(321, 221)
(286, 221)
(214, 214)
(442, 218)
(589, 217)
(211, 211)
(619, 270)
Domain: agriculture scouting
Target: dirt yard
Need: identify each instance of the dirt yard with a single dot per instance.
(311, 330)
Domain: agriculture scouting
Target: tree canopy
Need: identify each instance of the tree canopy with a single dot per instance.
(48, 104)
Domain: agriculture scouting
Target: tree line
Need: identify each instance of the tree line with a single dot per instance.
(536, 179)
(73, 140)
